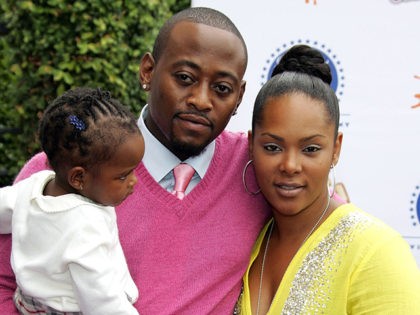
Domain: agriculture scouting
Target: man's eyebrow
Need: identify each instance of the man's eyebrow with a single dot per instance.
(186, 63)
(224, 74)
(220, 74)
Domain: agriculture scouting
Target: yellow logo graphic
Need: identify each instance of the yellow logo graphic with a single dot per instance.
(417, 95)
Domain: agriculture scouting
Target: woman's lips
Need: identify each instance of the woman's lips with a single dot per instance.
(289, 190)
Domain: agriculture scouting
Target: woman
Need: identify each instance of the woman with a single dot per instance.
(317, 255)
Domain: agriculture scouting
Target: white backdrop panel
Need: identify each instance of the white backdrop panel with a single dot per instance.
(374, 48)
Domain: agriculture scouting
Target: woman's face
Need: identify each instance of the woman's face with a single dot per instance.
(293, 148)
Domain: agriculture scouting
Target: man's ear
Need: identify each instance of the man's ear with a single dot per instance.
(241, 95)
(147, 66)
(76, 177)
(250, 145)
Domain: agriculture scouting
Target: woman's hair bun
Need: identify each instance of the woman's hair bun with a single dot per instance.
(304, 59)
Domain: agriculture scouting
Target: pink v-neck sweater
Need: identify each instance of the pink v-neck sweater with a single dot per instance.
(186, 257)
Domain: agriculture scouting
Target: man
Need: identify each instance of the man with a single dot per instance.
(187, 256)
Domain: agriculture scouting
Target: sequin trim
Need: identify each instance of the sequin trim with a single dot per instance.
(238, 305)
(311, 288)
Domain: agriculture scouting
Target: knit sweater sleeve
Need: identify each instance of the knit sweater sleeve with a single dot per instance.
(7, 278)
(37, 163)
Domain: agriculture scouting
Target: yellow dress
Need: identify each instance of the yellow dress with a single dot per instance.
(352, 264)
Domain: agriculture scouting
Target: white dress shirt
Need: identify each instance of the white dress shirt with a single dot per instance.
(159, 161)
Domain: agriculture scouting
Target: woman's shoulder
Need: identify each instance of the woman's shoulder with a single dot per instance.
(359, 232)
(364, 234)
(352, 216)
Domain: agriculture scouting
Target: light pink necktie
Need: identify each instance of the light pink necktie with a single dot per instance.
(183, 174)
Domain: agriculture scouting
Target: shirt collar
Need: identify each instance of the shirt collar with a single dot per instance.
(159, 161)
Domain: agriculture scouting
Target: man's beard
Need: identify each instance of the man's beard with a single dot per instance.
(186, 149)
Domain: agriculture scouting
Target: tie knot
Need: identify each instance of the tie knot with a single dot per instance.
(182, 174)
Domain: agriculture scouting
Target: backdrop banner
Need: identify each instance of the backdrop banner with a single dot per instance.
(373, 48)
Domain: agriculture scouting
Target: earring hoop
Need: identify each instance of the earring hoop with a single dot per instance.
(244, 181)
(332, 190)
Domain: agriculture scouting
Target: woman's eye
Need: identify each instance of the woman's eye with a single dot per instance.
(271, 147)
(311, 149)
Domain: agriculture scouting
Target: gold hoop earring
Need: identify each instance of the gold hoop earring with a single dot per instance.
(244, 181)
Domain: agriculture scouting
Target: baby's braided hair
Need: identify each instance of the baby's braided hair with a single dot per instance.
(83, 127)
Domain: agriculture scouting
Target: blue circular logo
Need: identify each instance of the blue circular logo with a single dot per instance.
(337, 82)
(415, 207)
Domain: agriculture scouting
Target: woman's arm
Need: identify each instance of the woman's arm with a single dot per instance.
(387, 281)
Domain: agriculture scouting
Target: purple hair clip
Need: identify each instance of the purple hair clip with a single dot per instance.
(77, 123)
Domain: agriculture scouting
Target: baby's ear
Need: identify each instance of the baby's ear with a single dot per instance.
(75, 177)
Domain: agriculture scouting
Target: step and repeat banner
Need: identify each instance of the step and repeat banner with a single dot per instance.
(373, 48)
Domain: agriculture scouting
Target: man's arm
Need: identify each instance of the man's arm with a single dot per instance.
(37, 163)
(7, 278)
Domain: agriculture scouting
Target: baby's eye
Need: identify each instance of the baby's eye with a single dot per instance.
(124, 177)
